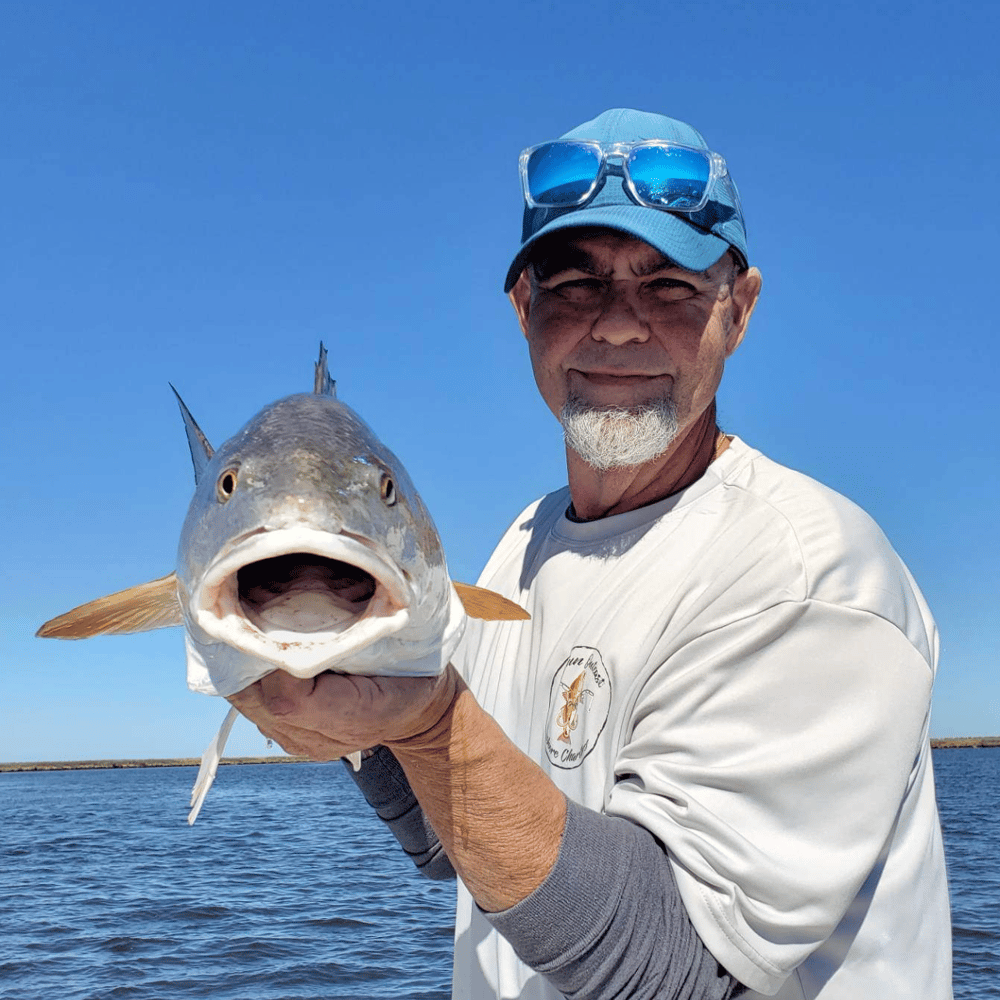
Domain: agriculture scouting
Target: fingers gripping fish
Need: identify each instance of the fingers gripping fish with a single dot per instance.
(306, 548)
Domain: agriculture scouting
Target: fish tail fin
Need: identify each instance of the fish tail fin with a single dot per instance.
(209, 765)
(201, 450)
(323, 385)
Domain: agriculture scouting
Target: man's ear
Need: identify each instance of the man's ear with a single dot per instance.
(520, 299)
(746, 291)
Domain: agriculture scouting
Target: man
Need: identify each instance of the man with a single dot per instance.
(702, 769)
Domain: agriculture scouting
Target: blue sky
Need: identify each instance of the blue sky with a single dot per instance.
(200, 192)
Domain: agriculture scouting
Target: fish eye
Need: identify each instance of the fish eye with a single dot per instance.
(226, 485)
(387, 490)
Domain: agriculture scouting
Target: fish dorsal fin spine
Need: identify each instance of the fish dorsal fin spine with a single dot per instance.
(323, 385)
(201, 450)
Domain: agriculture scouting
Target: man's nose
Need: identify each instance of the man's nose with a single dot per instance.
(620, 320)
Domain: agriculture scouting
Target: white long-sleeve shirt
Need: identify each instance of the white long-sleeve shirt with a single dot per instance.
(744, 669)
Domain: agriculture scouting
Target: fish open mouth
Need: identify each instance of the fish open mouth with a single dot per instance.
(301, 598)
(303, 592)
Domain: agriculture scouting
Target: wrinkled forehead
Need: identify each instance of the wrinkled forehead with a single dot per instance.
(595, 249)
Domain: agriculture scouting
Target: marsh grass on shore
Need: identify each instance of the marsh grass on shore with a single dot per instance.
(97, 765)
(945, 743)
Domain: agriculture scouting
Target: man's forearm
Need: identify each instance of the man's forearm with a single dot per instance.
(499, 817)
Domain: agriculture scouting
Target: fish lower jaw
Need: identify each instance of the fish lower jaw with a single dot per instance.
(304, 653)
(300, 599)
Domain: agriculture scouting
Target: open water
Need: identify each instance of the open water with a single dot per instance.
(286, 889)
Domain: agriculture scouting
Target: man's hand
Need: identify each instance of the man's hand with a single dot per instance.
(332, 715)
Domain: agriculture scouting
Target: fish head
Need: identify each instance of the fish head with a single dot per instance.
(307, 548)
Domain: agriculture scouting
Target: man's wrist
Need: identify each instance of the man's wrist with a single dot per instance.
(437, 734)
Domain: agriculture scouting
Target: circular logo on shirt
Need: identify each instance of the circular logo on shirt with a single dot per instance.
(579, 704)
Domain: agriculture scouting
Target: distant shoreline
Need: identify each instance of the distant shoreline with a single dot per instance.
(946, 743)
(951, 742)
(100, 765)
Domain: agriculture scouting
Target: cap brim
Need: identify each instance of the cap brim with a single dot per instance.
(673, 236)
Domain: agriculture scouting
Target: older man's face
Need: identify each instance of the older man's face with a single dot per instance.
(613, 324)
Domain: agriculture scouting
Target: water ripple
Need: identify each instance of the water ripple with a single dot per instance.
(288, 889)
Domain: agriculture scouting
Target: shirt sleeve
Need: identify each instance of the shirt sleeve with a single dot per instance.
(771, 758)
(608, 921)
(386, 789)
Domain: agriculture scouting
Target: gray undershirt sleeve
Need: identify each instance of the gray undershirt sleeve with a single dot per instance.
(608, 922)
(383, 783)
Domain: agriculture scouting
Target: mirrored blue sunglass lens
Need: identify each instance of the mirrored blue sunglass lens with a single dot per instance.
(562, 173)
(668, 177)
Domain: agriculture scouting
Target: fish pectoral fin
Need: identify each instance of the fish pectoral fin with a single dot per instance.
(489, 605)
(139, 609)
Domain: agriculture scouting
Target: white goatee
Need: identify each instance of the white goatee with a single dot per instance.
(617, 437)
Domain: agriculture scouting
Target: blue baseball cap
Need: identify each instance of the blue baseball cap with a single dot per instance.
(694, 240)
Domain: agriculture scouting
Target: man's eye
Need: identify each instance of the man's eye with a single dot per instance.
(579, 289)
(670, 290)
